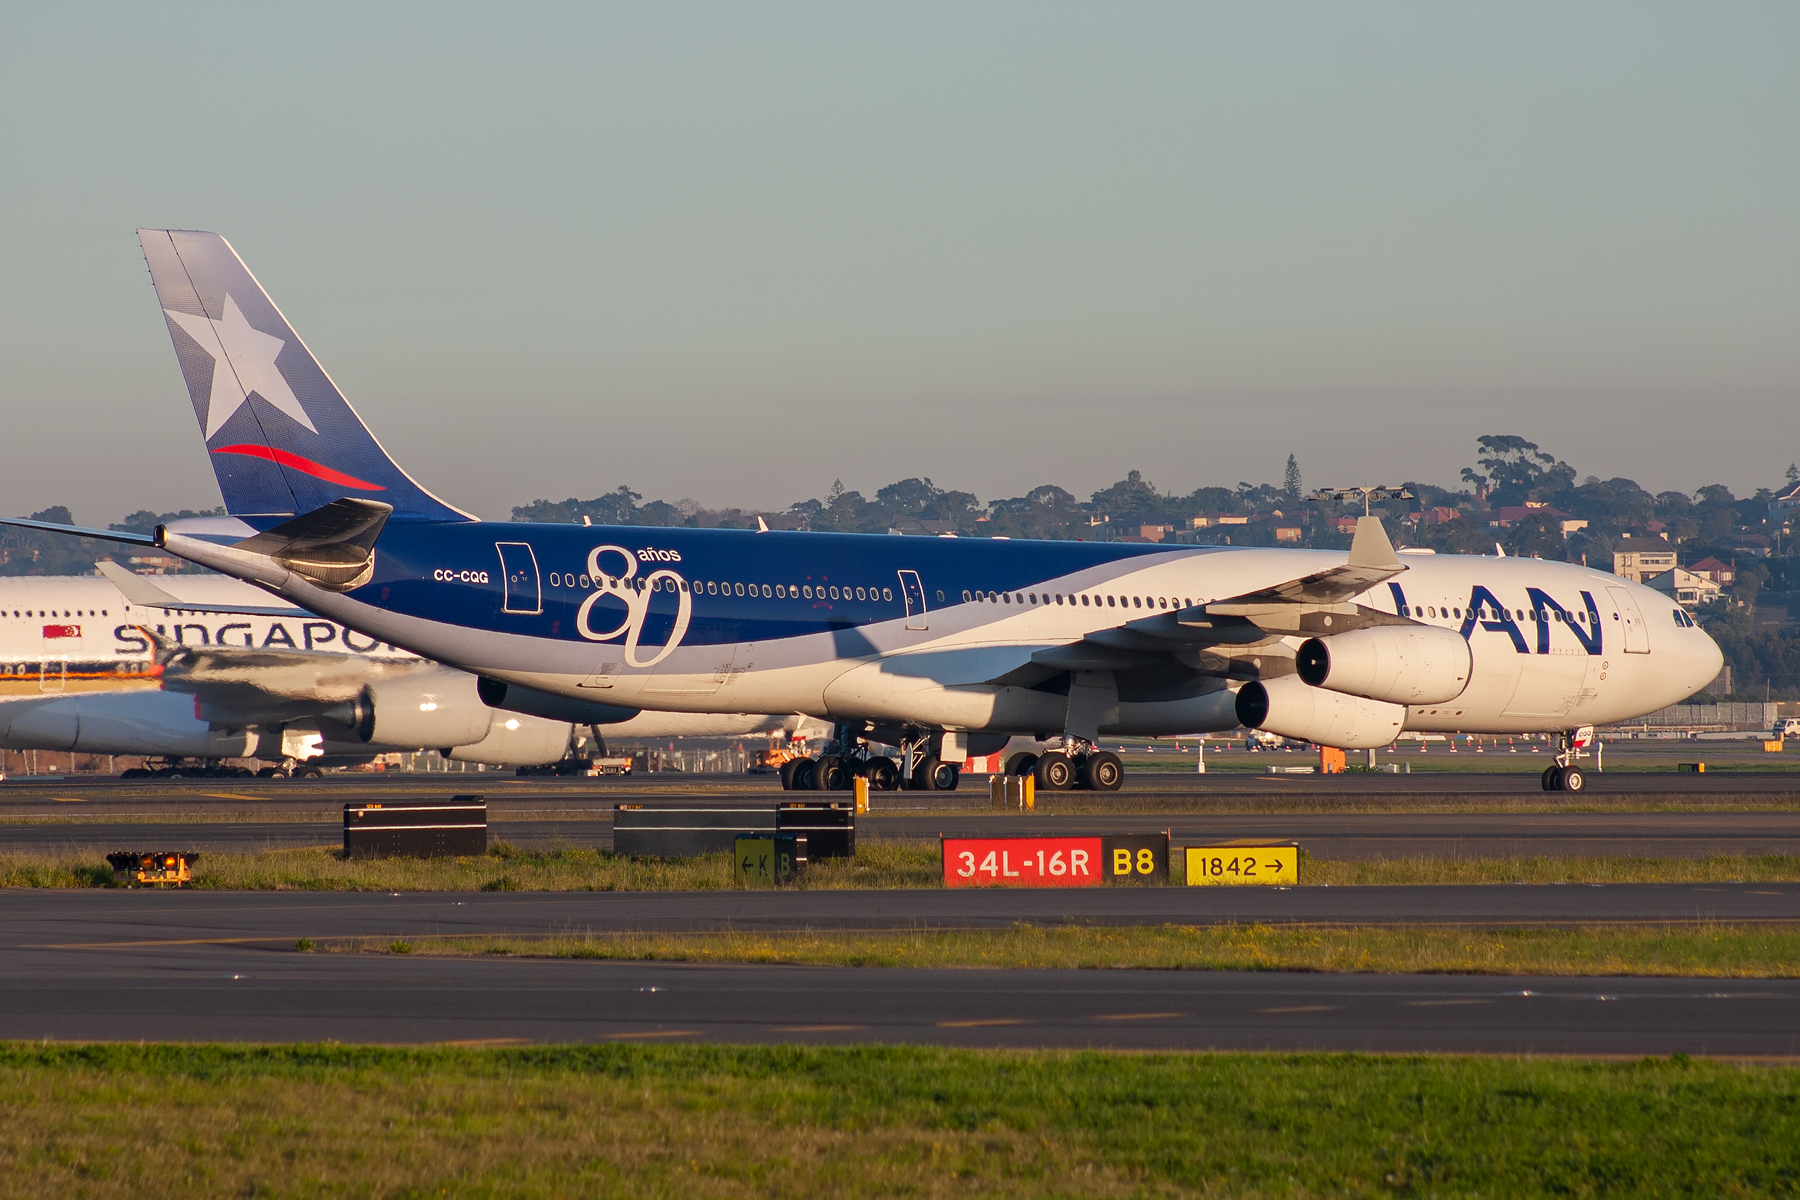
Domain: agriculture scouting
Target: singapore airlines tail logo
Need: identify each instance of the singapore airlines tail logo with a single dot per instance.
(634, 594)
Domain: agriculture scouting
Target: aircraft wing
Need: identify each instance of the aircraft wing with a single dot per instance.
(140, 591)
(1207, 636)
(248, 685)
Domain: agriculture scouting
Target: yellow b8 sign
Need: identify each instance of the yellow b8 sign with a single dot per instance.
(1141, 859)
(1242, 864)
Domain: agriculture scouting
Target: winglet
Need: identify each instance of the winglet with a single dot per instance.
(1371, 548)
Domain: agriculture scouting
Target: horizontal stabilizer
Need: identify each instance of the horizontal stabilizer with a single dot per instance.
(104, 535)
(333, 546)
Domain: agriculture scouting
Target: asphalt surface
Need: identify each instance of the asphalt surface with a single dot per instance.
(1350, 836)
(194, 966)
(252, 994)
(131, 919)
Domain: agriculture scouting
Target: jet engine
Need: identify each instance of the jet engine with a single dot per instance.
(1292, 708)
(518, 740)
(421, 708)
(1400, 664)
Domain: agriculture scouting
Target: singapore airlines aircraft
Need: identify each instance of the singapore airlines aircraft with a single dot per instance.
(98, 665)
(940, 647)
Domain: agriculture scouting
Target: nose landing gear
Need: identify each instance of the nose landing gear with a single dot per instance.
(1566, 774)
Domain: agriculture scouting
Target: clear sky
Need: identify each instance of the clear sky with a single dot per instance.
(735, 251)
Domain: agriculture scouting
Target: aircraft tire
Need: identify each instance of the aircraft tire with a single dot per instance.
(801, 779)
(309, 773)
(1054, 771)
(1572, 779)
(1102, 771)
(944, 776)
(830, 774)
(1551, 783)
(925, 774)
(882, 774)
(788, 769)
(1022, 764)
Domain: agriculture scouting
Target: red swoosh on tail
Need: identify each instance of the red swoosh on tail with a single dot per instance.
(316, 470)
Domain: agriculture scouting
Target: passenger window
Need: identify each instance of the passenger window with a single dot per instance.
(966, 596)
(860, 595)
(1059, 599)
(780, 592)
(1109, 602)
(1006, 597)
(887, 593)
(834, 592)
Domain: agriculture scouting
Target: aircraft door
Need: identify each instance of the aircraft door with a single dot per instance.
(1637, 636)
(519, 576)
(53, 674)
(914, 593)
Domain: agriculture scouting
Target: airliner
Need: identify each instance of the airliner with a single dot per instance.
(940, 648)
(99, 665)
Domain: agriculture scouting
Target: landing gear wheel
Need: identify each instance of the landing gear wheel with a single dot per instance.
(923, 774)
(830, 774)
(1550, 781)
(944, 776)
(1021, 764)
(802, 777)
(1055, 773)
(882, 774)
(309, 773)
(134, 773)
(787, 773)
(1572, 780)
(1102, 771)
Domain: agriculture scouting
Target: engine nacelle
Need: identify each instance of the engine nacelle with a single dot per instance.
(1400, 664)
(1292, 708)
(430, 708)
(518, 740)
(154, 723)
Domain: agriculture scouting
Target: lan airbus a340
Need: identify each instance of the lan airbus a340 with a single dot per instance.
(941, 647)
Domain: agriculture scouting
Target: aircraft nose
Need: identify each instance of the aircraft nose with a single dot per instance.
(1710, 660)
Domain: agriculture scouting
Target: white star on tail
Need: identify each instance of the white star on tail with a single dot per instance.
(243, 362)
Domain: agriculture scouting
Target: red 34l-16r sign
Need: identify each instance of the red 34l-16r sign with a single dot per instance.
(1055, 861)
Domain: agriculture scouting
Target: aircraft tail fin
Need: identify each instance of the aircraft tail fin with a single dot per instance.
(282, 438)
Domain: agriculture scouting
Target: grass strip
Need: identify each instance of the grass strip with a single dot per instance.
(879, 863)
(718, 1121)
(1712, 951)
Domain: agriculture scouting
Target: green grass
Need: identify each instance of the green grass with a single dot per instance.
(879, 863)
(700, 1122)
(1712, 951)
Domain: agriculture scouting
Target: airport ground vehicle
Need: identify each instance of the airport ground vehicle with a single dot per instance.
(932, 646)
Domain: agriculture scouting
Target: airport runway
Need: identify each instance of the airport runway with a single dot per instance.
(130, 919)
(199, 966)
(1351, 836)
(1220, 791)
(250, 994)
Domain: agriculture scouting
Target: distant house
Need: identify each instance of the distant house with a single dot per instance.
(1289, 533)
(1210, 520)
(1506, 518)
(1635, 564)
(1785, 505)
(913, 527)
(1720, 573)
(1684, 587)
(1438, 515)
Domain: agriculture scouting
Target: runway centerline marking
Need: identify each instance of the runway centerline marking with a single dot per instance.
(981, 1024)
(71, 799)
(1302, 1008)
(815, 1028)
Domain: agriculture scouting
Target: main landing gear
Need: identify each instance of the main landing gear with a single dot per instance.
(1566, 775)
(1076, 764)
(919, 768)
